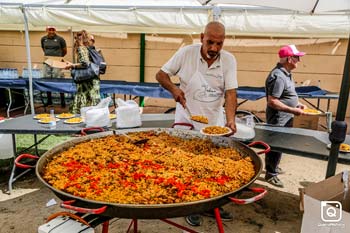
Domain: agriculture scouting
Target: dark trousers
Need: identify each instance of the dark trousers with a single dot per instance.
(273, 158)
(49, 98)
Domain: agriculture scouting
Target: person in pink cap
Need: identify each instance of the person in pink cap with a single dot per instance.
(53, 45)
(282, 104)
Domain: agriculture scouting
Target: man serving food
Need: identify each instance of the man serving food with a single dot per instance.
(208, 79)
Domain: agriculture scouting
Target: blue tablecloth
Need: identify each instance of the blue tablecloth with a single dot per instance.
(250, 93)
(310, 91)
(14, 83)
(139, 89)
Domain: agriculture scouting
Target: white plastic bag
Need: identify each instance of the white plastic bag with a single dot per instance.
(97, 116)
(245, 128)
(128, 114)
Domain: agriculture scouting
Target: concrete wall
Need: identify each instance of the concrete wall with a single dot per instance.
(255, 57)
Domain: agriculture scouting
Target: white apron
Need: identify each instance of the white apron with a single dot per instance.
(204, 96)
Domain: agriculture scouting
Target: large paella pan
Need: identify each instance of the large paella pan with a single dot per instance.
(149, 210)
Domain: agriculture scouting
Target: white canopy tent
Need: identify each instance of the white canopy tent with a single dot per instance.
(168, 16)
(265, 18)
(307, 6)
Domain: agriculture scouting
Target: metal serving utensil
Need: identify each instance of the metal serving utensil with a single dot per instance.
(190, 114)
(136, 142)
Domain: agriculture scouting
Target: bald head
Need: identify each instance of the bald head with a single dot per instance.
(215, 27)
(212, 41)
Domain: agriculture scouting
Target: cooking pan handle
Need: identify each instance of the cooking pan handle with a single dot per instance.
(67, 205)
(239, 201)
(71, 215)
(83, 132)
(23, 156)
(183, 124)
(267, 147)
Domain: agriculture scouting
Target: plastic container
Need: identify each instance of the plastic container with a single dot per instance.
(36, 73)
(52, 119)
(8, 73)
(6, 146)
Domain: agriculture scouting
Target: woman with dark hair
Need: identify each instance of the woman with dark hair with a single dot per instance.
(88, 92)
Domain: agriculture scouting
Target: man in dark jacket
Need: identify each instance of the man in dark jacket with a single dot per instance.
(53, 46)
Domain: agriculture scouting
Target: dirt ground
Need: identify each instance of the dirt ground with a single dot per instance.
(25, 209)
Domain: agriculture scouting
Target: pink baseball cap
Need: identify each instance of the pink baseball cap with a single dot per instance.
(290, 50)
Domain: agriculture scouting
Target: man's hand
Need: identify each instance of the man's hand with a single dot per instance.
(179, 96)
(301, 106)
(232, 126)
(298, 111)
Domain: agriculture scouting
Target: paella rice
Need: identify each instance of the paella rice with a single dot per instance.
(201, 119)
(312, 111)
(74, 120)
(345, 147)
(65, 115)
(41, 116)
(166, 169)
(215, 130)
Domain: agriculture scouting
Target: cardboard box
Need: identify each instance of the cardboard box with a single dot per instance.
(57, 62)
(326, 206)
(306, 121)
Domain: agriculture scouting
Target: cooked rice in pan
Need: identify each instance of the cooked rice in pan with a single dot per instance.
(166, 169)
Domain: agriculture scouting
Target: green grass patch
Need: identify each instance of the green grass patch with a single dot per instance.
(26, 140)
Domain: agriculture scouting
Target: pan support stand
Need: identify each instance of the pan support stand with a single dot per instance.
(217, 217)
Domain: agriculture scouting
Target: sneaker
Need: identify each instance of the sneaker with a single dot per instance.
(280, 171)
(194, 220)
(274, 180)
(225, 216)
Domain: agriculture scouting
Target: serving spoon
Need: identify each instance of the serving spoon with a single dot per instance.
(192, 117)
(136, 142)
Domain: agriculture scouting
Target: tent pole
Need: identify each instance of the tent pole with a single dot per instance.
(339, 126)
(142, 63)
(29, 61)
(72, 39)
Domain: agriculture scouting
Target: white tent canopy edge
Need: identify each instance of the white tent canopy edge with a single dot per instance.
(308, 6)
(174, 18)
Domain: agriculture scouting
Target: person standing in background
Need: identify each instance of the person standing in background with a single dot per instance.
(282, 104)
(88, 92)
(54, 46)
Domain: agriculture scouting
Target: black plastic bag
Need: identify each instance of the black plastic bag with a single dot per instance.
(80, 75)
